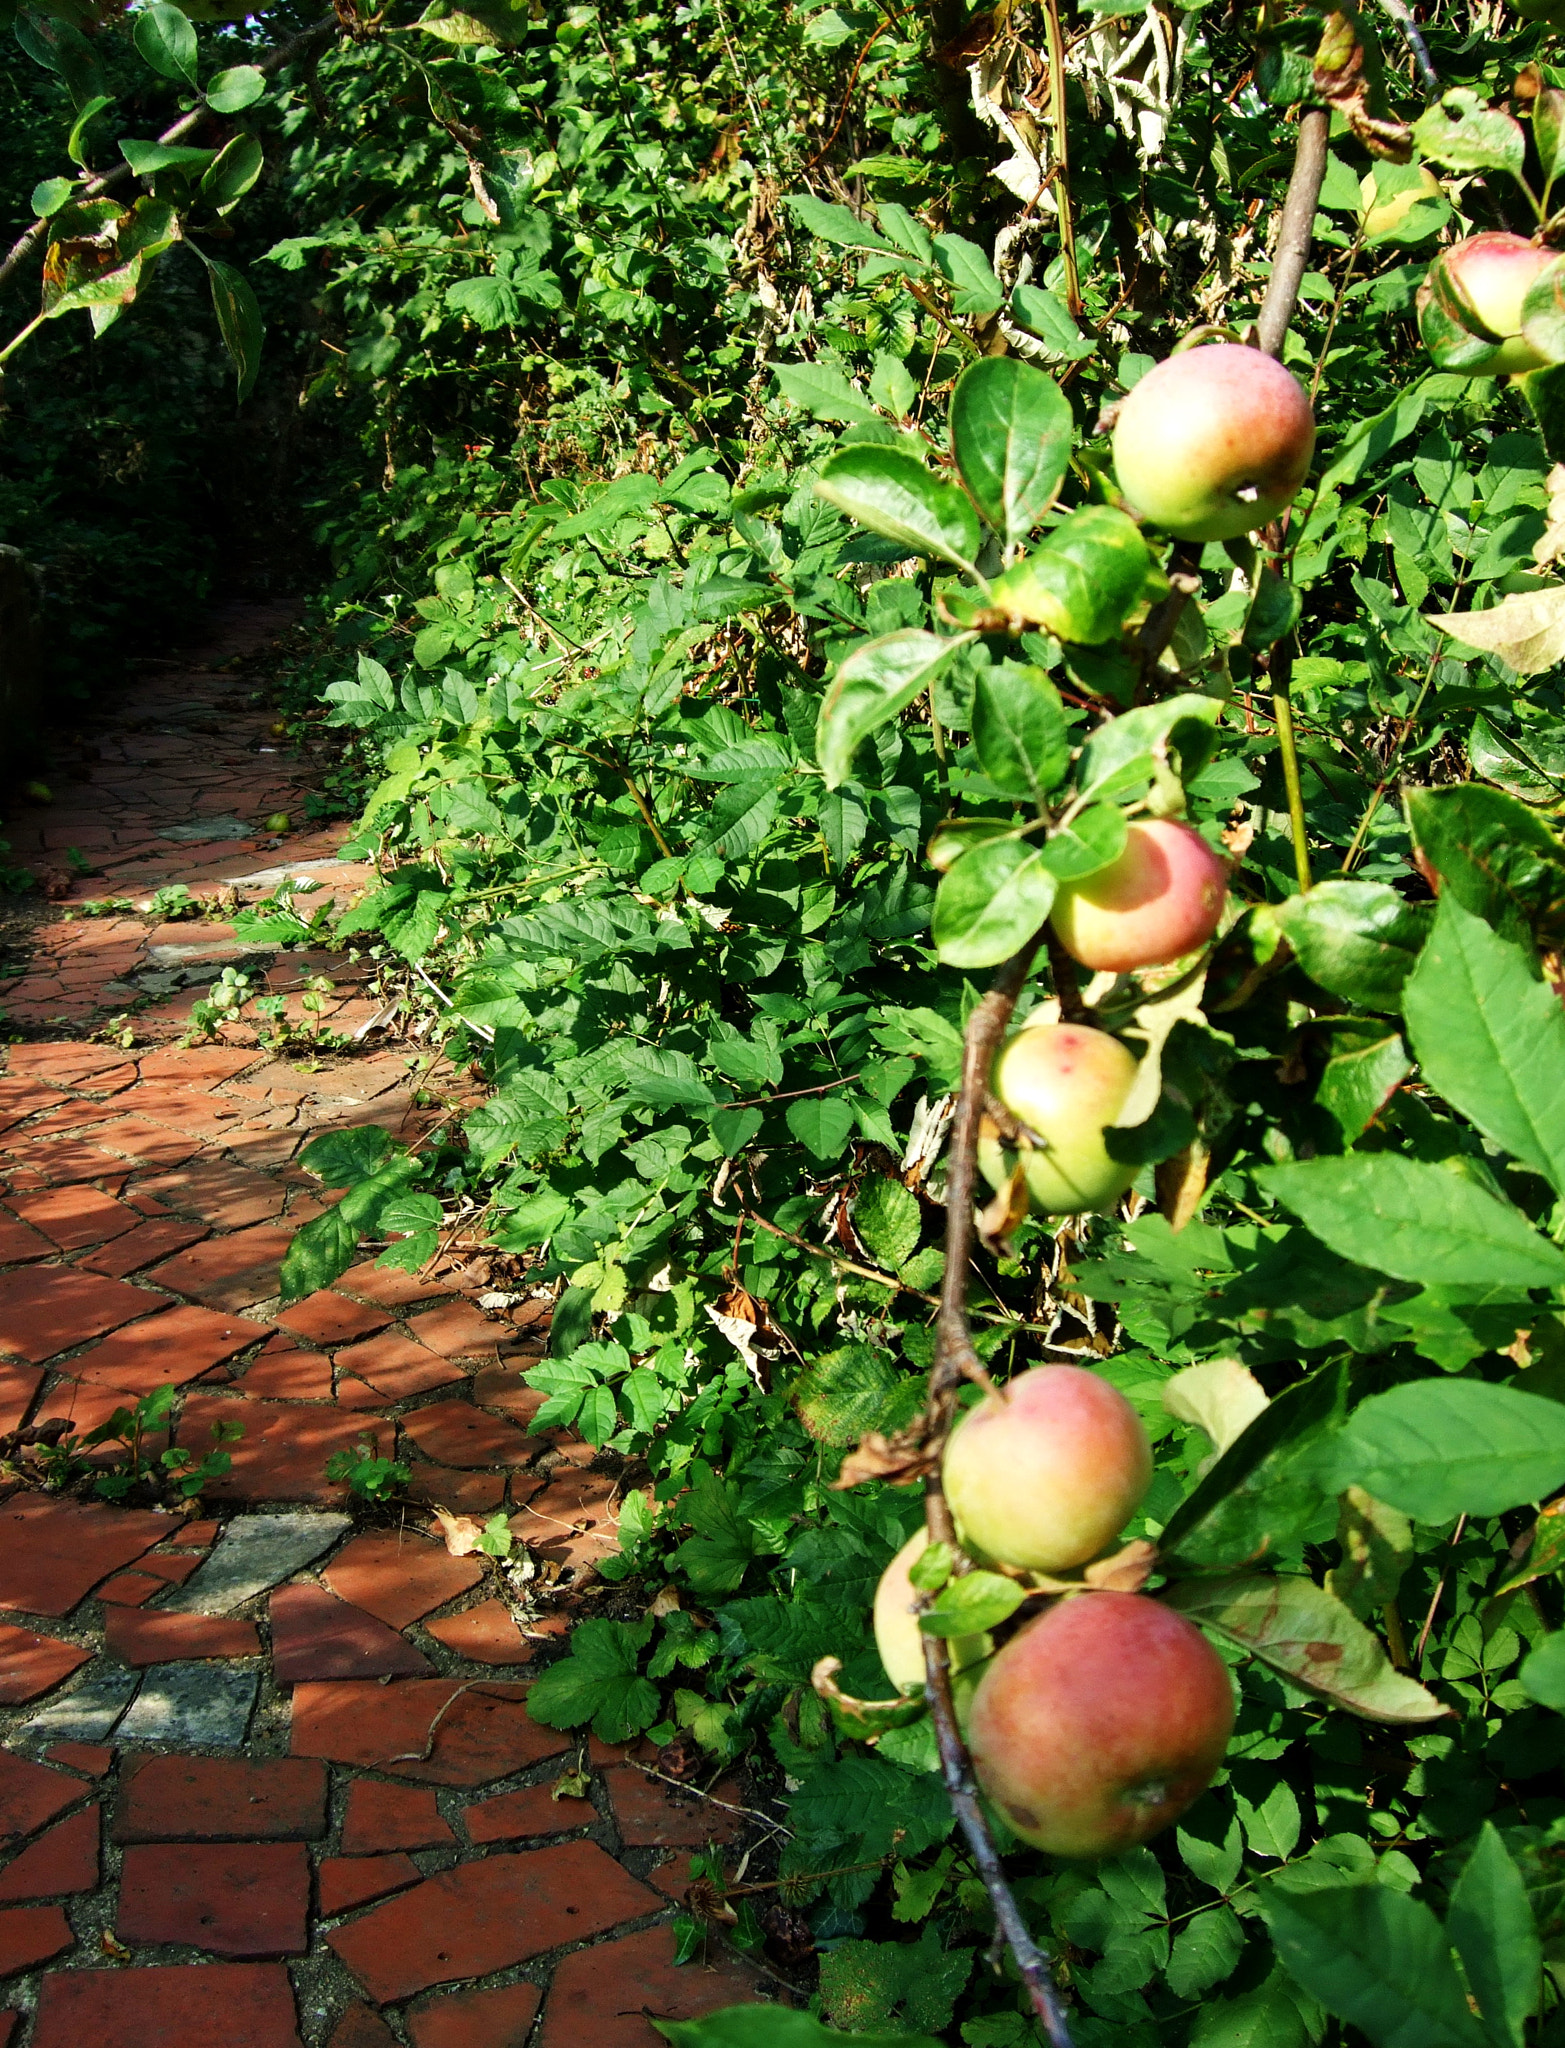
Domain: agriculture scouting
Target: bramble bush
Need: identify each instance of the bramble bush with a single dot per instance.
(747, 651)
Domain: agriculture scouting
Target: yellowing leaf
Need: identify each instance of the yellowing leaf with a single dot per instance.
(1527, 631)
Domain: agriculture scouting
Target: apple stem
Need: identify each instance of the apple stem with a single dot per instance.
(956, 1360)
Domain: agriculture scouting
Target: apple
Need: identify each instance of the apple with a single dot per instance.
(1160, 900)
(1384, 216)
(1065, 1083)
(1099, 1723)
(1213, 442)
(898, 1636)
(1477, 288)
(1045, 1473)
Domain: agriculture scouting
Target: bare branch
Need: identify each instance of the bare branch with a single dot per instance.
(1298, 222)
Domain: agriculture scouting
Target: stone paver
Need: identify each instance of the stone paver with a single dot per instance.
(155, 1666)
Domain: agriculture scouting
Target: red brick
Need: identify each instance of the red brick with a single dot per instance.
(53, 1552)
(233, 1898)
(283, 1453)
(599, 1997)
(360, 2027)
(317, 1636)
(9, 2022)
(148, 1143)
(23, 1098)
(172, 1348)
(63, 1861)
(228, 1272)
(390, 1286)
(399, 1576)
(18, 1385)
(84, 1408)
(288, 1376)
(456, 1433)
(485, 1633)
(222, 1799)
(190, 1064)
(48, 1309)
(195, 1535)
(93, 1758)
(30, 1935)
(390, 1368)
(139, 1247)
(654, 1815)
(19, 1242)
(457, 1330)
(486, 1916)
(504, 1388)
(532, 1811)
(129, 1589)
(218, 1191)
(467, 1493)
(675, 1877)
(328, 1318)
(381, 1817)
(572, 1520)
(76, 1216)
(65, 1062)
(241, 2005)
(172, 1570)
(486, 1734)
(500, 2018)
(140, 1638)
(73, 1116)
(31, 1665)
(193, 1112)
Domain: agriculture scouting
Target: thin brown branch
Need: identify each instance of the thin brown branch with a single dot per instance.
(1161, 623)
(284, 54)
(1062, 970)
(1298, 222)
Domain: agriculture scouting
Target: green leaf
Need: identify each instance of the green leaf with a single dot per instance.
(969, 1605)
(242, 328)
(598, 1682)
(1094, 840)
(338, 1158)
(318, 1254)
(1543, 1673)
(1359, 1082)
(823, 1124)
(1040, 312)
(166, 40)
(991, 901)
(1490, 1037)
(1491, 1924)
(891, 492)
(1445, 1447)
(1298, 1628)
(1019, 730)
(50, 195)
(887, 1217)
(1498, 857)
(823, 393)
(1205, 1951)
(1464, 133)
(734, 1128)
(231, 174)
(1357, 939)
(1530, 769)
(1011, 432)
(977, 292)
(1128, 745)
(1082, 581)
(75, 147)
(230, 92)
(146, 159)
(1415, 1222)
(839, 225)
(845, 1392)
(1375, 1958)
(1267, 2017)
(774, 2026)
(878, 679)
(717, 1556)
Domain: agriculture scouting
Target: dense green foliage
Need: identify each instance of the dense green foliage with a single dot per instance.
(667, 635)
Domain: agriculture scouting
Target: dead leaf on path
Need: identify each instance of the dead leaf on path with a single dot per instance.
(461, 1532)
(1526, 630)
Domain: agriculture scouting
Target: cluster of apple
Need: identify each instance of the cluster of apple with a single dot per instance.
(1100, 1721)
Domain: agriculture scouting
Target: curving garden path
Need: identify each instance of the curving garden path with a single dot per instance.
(267, 1777)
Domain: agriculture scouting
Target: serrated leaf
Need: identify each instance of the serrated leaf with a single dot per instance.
(1299, 1629)
(1445, 1447)
(1357, 939)
(1011, 431)
(1415, 1221)
(1019, 730)
(887, 1217)
(891, 492)
(976, 291)
(773, 2026)
(991, 901)
(1377, 1959)
(598, 1682)
(969, 1605)
(823, 1124)
(1500, 858)
(825, 394)
(877, 679)
(1491, 1924)
(1461, 131)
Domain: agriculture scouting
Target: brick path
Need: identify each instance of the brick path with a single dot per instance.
(267, 1775)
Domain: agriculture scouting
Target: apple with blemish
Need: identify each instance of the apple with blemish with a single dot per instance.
(1044, 1473)
(1214, 442)
(1100, 1723)
(1066, 1083)
(1162, 898)
(1482, 283)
